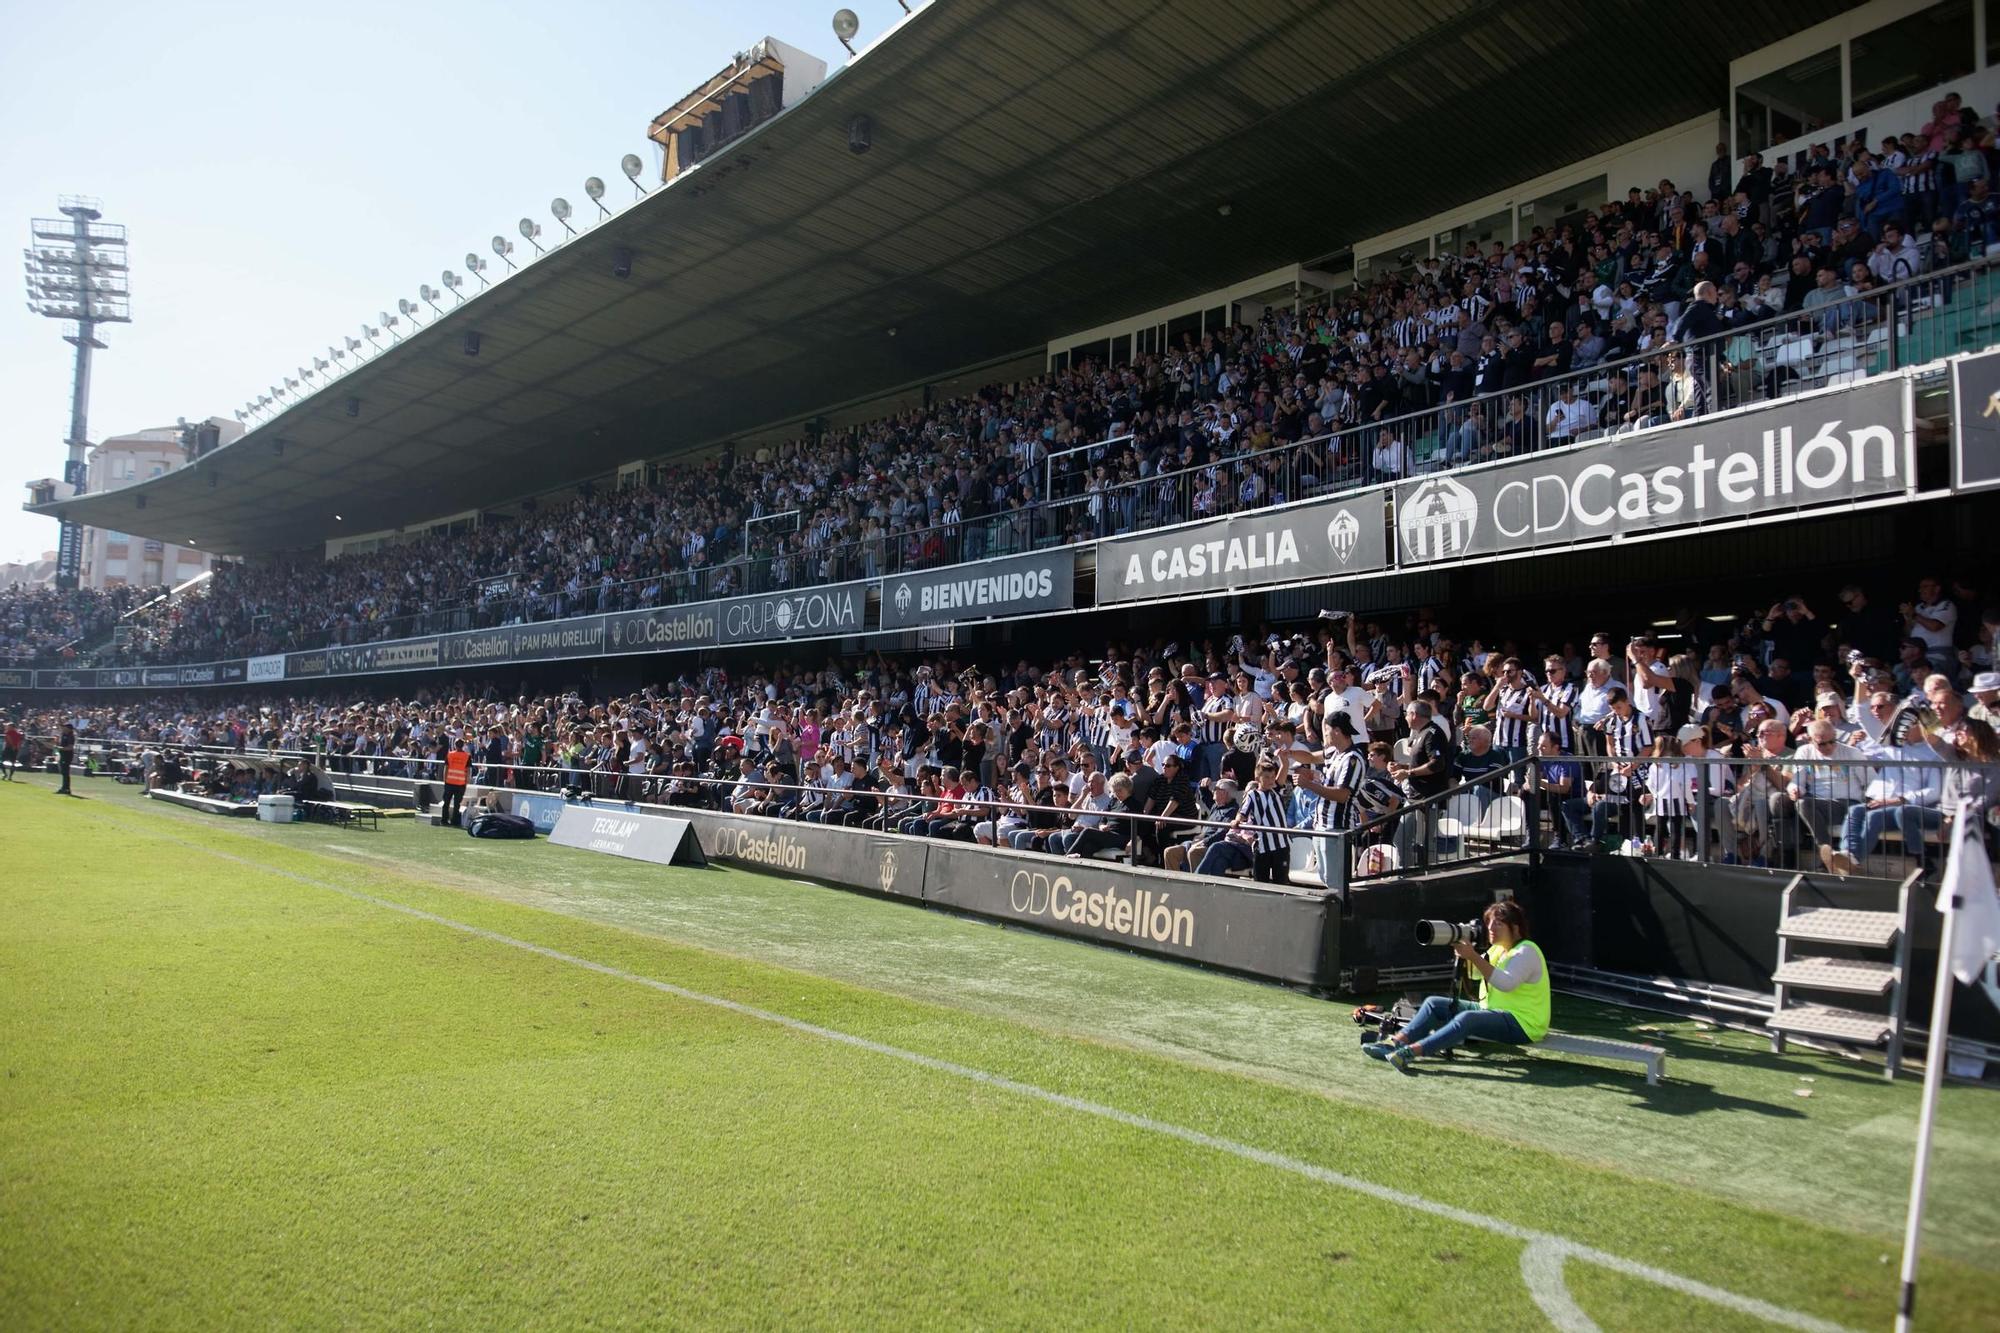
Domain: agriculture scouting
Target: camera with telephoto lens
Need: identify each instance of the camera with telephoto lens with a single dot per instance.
(1447, 933)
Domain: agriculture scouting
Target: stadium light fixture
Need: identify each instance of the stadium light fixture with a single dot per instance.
(559, 208)
(474, 264)
(391, 323)
(503, 247)
(429, 295)
(530, 229)
(78, 272)
(632, 166)
(452, 282)
(371, 333)
(845, 24)
(408, 309)
(594, 187)
(321, 365)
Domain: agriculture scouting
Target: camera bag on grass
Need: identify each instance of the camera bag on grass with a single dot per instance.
(493, 824)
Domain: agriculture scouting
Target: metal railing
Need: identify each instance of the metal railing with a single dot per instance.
(918, 812)
(1723, 810)
(1843, 340)
(1874, 816)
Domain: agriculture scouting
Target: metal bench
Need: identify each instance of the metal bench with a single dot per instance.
(346, 814)
(207, 804)
(1654, 1058)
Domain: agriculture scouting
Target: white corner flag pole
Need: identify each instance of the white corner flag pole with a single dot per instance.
(1969, 939)
(1934, 1062)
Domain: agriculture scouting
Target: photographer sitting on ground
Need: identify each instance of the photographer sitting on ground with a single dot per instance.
(1513, 1003)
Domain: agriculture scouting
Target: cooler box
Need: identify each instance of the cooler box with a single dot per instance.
(274, 809)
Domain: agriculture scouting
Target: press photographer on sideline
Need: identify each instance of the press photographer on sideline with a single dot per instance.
(1513, 1003)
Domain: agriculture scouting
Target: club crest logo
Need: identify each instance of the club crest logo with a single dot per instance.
(1343, 534)
(1438, 520)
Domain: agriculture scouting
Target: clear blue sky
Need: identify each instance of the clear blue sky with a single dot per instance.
(287, 171)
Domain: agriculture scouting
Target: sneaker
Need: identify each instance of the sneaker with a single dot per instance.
(1841, 864)
(1378, 1050)
(1399, 1060)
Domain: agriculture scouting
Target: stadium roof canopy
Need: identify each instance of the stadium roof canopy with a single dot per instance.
(1038, 166)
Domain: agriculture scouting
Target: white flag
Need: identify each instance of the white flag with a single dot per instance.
(1968, 884)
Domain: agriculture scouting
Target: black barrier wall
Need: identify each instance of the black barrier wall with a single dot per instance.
(1253, 929)
(1284, 935)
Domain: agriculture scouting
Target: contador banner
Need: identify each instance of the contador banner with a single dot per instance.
(1321, 540)
(1010, 586)
(1850, 444)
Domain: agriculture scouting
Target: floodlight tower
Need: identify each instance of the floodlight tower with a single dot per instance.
(77, 273)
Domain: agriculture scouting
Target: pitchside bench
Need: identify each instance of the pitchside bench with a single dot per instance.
(346, 814)
(1654, 1058)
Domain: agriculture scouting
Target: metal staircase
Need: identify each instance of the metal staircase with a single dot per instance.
(1875, 978)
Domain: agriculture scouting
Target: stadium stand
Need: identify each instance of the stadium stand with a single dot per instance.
(1029, 755)
(1825, 274)
(42, 625)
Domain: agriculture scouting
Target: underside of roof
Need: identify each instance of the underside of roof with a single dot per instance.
(1036, 167)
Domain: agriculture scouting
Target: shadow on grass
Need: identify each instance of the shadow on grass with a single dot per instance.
(1673, 1096)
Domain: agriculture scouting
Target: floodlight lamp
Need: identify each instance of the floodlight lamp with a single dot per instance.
(631, 165)
(472, 261)
(845, 24)
(502, 246)
(594, 187)
(402, 306)
(530, 229)
(559, 206)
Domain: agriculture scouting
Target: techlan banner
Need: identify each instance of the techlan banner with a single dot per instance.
(1850, 444)
(1323, 539)
(1014, 585)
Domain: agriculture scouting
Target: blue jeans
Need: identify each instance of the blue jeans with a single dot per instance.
(1224, 856)
(1443, 1023)
(1208, 761)
(1863, 827)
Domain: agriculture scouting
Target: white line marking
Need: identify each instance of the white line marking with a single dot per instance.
(1542, 1270)
(1541, 1265)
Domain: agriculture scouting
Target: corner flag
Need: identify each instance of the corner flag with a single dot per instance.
(1970, 935)
(1967, 892)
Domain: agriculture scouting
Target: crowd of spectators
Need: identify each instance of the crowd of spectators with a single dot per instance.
(1232, 419)
(1834, 727)
(41, 625)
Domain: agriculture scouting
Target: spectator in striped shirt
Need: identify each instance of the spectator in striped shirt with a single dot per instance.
(1255, 839)
(1335, 784)
(1555, 710)
(1511, 704)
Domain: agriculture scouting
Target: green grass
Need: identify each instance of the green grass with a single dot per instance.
(232, 1094)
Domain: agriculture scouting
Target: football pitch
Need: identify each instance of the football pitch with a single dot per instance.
(295, 1076)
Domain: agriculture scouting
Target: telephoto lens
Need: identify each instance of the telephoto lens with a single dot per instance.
(1448, 933)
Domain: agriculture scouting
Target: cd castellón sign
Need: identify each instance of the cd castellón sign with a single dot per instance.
(1849, 445)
